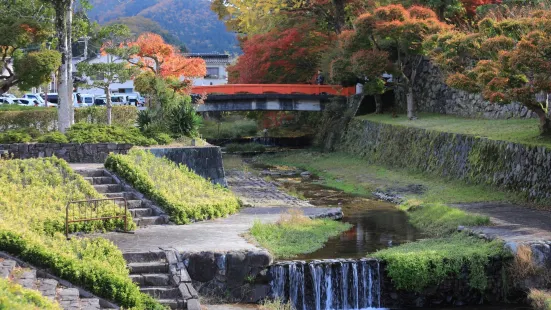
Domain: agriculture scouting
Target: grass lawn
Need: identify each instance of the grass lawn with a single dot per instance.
(354, 175)
(515, 130)
(296, 234)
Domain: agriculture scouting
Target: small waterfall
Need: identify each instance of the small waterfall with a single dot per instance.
(328, 284)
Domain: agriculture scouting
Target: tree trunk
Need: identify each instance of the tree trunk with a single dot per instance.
(64, 105)
(108, 104)
(70, 66)
(339, 15)
(378, 104)
(545, 122)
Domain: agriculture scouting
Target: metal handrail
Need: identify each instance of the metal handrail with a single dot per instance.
(79, 219)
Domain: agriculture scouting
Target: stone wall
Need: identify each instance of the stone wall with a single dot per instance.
(205, 161)
(433, 95)
(71, 152)
(522, 168)
(240, 276)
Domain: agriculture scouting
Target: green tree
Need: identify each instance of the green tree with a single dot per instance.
(505, 59)
(24, 60)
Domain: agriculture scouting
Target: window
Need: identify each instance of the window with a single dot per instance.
(213, 72)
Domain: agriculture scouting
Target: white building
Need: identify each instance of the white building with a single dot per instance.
(127, 87)
(217, 65)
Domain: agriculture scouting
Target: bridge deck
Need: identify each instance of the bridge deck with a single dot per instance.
(232, 89)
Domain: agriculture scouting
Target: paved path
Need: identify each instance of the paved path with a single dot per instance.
(512, 223)
(224, 234)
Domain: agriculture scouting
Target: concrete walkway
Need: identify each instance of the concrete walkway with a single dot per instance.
(267, 204)
(512, 223)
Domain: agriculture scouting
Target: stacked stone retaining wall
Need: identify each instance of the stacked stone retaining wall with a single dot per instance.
(513, 166)
(71, 152)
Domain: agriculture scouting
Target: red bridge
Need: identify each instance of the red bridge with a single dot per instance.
(284, 89)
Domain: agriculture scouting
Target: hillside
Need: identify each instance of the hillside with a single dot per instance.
(191, 21)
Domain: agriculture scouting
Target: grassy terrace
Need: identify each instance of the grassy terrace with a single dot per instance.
(515, 130)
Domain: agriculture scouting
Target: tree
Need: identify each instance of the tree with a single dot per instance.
(281, 56)
(506, 60)
(22, 61)
(400, 33)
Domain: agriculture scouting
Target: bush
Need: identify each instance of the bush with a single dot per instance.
(184, 121)
(96, 133)
(184, 195)
(245, 148)
(45, 119)
(418, 265)
(161, 137)
(15, 137)
(296, 234)
(33, 195)
(15, 297)
(53, 137)
(539, 299)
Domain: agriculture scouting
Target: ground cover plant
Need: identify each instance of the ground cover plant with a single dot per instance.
(245, 148)
(354, 175)
(296, 234)
(97, 133)
(184, 195)
(524, 131)
(418, 265)
(228, 129)
(33, 194)
(15, 297)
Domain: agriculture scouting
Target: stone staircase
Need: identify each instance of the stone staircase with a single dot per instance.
(162, 276)
(143, 211)
(68, 298)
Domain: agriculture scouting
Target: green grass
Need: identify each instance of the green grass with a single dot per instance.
(15, 107)
(245, 148)
(437, 219)
(228, 129)
(418, 265)
(184, 195)
(515, 130)
(356, 176)
(296, 234)
(15, 297)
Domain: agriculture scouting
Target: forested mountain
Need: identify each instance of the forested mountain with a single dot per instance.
(191, 21)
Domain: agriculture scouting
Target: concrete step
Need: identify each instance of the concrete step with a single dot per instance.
(142, 257)
(176, 304)
(24, 277)
(127, 195)
(100, 180)
(47, 287)
(141, 212)
(108, 188)
(161, 292)
(132, 204)
(150, 220)
(148, 267)
(90, 173)
(151, 279)
(69, 298)
(89, 304)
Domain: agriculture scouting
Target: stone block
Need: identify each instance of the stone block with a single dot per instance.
(202, 266)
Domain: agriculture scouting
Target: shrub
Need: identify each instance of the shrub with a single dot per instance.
(161, 137)
(244, 148)
(418, 265)
(33, 194)
(184, 121)
(15, 137)
(96, 133)
(540, 300)
(53, 137)
(45, 119)
(184, 195)
(296, 234)
(15, 297)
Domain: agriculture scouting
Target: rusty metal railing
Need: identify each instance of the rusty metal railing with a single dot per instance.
(94, 210)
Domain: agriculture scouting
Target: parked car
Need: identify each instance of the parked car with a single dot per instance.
(35, 97)
(118, 99)
(28, 102)
(100, 101)
(54, 98)
(7, 95)
(87, 100)
(6, 100)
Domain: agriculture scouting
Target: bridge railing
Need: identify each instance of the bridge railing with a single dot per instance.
(232, 89)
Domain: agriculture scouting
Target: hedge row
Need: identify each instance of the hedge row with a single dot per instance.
(184, 195)
(46, 119)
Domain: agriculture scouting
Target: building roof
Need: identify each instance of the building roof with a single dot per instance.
(211, 58)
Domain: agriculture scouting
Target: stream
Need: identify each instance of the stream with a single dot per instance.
(339, 276)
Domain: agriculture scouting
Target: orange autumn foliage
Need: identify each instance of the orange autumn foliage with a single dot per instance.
(153, 53)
